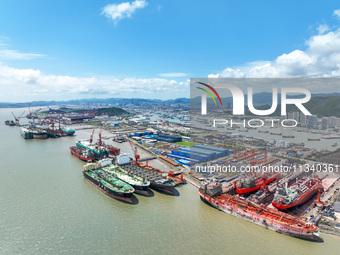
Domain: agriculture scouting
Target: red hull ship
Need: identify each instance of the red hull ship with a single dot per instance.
(272, 219)
(296, 194)
(251, 184)
(81, 153)
(313, 139)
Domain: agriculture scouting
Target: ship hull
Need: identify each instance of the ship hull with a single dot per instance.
(301, 201)
(167, 189)
(142, 190)
(40, 136)
(68, 132)
(256, 188)
(26, 135)
(80, 156)
(117, 195)
(276, 226)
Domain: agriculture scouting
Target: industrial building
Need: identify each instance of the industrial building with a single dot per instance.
(169, 138)
(199, 153)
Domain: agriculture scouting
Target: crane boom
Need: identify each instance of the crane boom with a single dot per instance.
(135, 151)
(91, 138)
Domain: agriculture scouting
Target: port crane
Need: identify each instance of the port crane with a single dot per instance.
(135, 152)
(91, 137)
(17, 119)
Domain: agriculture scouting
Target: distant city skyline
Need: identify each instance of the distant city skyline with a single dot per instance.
(63, 50)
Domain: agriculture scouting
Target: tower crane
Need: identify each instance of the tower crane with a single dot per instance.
(135, 152)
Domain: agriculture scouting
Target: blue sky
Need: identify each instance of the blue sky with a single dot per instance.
(61, 49)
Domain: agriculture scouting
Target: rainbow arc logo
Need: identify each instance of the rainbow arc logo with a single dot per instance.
(204, 98)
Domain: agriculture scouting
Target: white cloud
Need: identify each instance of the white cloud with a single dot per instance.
(116, 12)
(172, 75)
(322, 28)
(321, 58)
(6, 53)
(337, 13)
(15, 55)
(32, 83)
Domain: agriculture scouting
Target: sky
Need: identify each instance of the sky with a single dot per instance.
(61, 49)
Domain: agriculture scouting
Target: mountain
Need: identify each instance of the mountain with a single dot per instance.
(135, 101)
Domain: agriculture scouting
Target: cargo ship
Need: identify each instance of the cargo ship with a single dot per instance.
(296, 194)
(275, 133)
(68, 131)
(111, 186)
(81, 153)
(9, 123)
(99, 152)
(313, 139)
(38, 133)
(249, 184)
(265, 132)
(211, 193)
(157, 181)
(331, 137)
(141, 185)
(288, 136)
(26, 133)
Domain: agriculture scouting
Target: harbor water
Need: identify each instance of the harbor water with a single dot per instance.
(47, 207)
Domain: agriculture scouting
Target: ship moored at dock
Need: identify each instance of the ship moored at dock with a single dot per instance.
(296, 194)
(211, 193)
(108, 184)
(157, 180)
(26, 133)
(141, 185)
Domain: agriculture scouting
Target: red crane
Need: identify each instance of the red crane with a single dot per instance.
(17, 119)
(134, 149)
(91, 138)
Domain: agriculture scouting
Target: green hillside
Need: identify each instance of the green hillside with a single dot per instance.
(324, 106)
(111, 111)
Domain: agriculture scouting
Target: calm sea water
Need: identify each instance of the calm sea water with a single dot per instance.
(46, 207)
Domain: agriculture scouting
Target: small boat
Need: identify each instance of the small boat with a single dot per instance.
(313, 139)
(9, 123)
(265, 132)
(288, 136)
